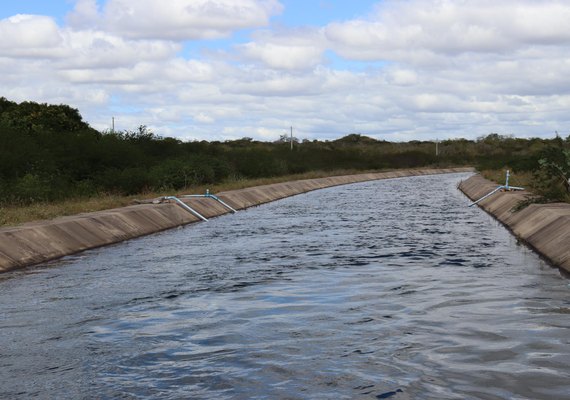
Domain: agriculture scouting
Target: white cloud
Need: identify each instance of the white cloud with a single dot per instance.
(95, 49)
(85, 15)
(265, 83)
(402, 77)
(29, 36)
(445, 27)
(152, 74)
(288, 50)
(283, 56)
(441, 68)
(175, 19)
(203, 118)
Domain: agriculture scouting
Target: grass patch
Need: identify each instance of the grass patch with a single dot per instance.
(530, 182)
(521, 179)
(12, 215)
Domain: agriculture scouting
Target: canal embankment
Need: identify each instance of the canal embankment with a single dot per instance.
(384, 289)
(37, 242)
(544, 227)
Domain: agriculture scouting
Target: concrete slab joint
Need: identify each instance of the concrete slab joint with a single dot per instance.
(544, 227)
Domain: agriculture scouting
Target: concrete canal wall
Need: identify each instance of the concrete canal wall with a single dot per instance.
(544, 227)
(38, 242)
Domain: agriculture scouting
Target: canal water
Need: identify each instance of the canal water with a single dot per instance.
(388, 289)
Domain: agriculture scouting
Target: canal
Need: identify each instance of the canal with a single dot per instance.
(387, 289)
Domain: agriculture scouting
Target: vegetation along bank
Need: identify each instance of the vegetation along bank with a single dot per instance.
(544, 227)
(49, 154)
(42, 241)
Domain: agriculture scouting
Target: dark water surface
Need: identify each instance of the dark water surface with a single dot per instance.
(388, 289)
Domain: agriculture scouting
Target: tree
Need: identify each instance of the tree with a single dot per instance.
(33, 118)
(555, 165)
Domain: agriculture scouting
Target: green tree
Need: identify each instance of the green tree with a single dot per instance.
(552, 179)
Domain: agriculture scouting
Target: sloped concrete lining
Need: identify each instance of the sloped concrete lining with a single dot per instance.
(544, 227)
(38, 242)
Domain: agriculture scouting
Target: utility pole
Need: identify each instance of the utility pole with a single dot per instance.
(436, 147)
(112, 124)
(291, 138)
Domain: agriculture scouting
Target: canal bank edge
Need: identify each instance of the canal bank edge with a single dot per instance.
(38, 242)
(544, 227)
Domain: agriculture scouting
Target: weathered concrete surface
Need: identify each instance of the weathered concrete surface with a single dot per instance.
(544, 227)
(34, 243)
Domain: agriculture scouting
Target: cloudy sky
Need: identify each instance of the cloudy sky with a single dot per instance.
(226, 69)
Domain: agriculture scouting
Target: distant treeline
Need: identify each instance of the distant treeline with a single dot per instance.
(47, 152)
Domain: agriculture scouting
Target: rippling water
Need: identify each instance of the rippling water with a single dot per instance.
(388, 289)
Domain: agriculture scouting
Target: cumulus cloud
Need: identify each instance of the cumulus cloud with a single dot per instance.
(282, 56)
(402, 77)
(32, 36)
(288, 50)
(446, 27)
(414, 69)
(174, 20)
(96, 49)
(29, 36)
(204, 118)
(85, 15)
(263, 82)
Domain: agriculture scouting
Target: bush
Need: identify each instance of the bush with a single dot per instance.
(552, 179)
(127, 181)
(32, 188)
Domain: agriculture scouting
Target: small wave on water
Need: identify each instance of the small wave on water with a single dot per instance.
(380, 290)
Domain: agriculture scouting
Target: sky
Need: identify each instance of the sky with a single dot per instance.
(395, 70)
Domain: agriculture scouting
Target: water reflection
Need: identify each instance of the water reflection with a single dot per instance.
(389, 289)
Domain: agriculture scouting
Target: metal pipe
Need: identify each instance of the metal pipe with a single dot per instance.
(487, 195)
(223, 203)
(506, 187)
(186, 207)
(509, 188)
(211, 196)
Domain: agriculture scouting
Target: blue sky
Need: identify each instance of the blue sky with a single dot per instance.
(55, 8)
(296, 12)
(391, 69)
(321, 12)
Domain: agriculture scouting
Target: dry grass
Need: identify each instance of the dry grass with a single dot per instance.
(19, 214)
(527, 181)
(523, 179)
